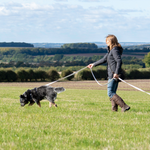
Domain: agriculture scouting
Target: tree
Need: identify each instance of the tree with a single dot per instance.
(58, 57)
(23, 75)
(11, 76)
(40, 74)
(66, 73)
(85, 75)
(100, 74)
(19, 64)
(146, 60)
(31, 74)
(53, 75)
(2, 75)
(134, 74)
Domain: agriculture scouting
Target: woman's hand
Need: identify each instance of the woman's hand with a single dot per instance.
(90, 66)
(115, 76)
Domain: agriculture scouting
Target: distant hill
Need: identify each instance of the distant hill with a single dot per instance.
(126, 44)
(48, 45)
(80, 45)
(15, 44)
(140, 46)
(99, 44)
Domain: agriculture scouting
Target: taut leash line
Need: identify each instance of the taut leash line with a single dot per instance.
(65, 77)
(97, 81)
(120, 80)
(134, 86)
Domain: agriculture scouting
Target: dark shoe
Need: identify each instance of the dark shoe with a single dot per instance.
(125, 108)
(114, 105)
(119, 101)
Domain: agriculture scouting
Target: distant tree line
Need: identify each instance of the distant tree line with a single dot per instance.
(29, 75)
(49, 51)
(141, 46)
(15, 44)
(66, 61)
(101, 74)
(40, 57)
(53, 51)
(80, 45)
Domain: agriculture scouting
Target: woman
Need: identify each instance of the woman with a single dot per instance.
(114, 63)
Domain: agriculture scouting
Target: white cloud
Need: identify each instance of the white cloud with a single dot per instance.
(61, 0)
(60, 22)
(91, 0)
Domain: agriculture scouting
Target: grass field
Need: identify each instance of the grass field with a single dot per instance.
(82, 121)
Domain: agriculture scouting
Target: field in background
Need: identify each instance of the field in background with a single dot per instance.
(125, 54)
(83, 119)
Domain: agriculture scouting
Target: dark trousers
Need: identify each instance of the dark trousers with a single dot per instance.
(112, 88)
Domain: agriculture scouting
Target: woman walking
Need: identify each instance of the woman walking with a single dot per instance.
(114, 63)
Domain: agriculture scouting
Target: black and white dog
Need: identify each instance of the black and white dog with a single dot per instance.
(37, 94)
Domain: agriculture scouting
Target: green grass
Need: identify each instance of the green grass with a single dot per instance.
(82, 121)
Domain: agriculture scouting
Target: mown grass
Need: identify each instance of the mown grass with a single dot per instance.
(82, 121)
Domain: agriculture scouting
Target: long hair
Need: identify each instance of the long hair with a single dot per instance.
(113, 41)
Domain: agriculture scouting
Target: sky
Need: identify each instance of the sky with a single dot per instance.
(71, 21)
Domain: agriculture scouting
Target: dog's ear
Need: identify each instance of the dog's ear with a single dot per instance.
(25, 94)
(21, 96)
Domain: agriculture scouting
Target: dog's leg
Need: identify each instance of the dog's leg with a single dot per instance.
(50, 104)
(39, 104)
(54, 104)
(31, 103)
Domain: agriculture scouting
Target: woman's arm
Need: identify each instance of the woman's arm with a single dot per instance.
(99, 62)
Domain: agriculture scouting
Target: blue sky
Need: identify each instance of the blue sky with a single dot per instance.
(70, 21)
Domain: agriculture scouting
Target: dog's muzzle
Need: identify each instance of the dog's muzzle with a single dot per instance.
(22, 104)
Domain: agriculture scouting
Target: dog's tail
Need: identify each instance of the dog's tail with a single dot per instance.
(59, 89)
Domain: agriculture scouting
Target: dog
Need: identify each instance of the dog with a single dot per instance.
(37, 94)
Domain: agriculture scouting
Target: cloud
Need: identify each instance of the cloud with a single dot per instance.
(91, 0)
(58, 22)
(61, 0)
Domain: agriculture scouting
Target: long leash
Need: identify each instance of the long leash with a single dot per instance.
(122, 81)
(65, 77)
(97, 81)
(134, 86)
(77, 72)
